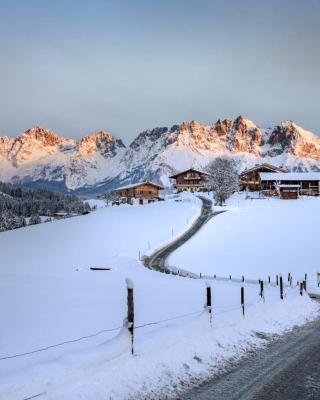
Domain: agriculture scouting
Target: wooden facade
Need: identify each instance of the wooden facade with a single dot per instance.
(190, 180)
(250, 178)
(289, 191)
(303, 183)
(142, 193)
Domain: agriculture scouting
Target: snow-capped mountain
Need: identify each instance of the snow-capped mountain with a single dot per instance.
(99, 161)
(40, 155)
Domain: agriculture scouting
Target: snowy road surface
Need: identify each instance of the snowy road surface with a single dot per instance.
(157, 260)
(288, 369)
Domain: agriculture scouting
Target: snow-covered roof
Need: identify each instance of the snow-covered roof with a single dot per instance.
(187, 170)
(290, 176)
(289, 186)
(265, 166)
(133, 185)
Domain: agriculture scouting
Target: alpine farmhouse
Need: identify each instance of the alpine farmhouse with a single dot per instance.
(190, 180)
(140, 193)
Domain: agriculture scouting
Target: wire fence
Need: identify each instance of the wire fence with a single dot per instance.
(129, 321)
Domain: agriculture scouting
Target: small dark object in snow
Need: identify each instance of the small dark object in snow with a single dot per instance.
(99, 269)
(85, 212)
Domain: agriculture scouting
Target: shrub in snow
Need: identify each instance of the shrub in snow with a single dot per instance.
(223, 178)
(34, 220)
(8, 221)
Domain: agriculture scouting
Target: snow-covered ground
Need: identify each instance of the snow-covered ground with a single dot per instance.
(98, 203)
(48, 295)
(257, 238)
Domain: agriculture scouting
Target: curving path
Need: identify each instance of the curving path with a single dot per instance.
(157, 261)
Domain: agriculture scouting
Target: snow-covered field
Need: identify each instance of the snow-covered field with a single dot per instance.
(257, 238)
(48, 295)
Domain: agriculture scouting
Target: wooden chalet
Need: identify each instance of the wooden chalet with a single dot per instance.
(250, 178)
(190, 180)
(60, 215)
(290, 185)
(139, 193)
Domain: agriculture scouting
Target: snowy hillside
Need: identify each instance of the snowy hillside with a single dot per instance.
(99, 162)
(48, 296)
(264, 236)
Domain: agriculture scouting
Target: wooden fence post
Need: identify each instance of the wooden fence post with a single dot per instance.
(130, 312)
(301, 288)
(281, 288)
(209, 301)
(242, 299)
(242, 278)
(305, 285)
(277, 280)
(261, 289)
(291, 280)
(269, 280)
(230, 277)
(289, 275)
(200, 275)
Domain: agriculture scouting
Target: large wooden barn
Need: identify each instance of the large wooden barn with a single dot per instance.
(250, 178)
(190, 180)
(290, 184)
(140, 193)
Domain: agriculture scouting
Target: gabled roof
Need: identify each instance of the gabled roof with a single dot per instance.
(188, 170)
(270, 167)
(290, 176)
(139, 184)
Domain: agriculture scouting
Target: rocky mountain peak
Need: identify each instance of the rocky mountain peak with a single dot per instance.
(290, 137)
(222, 127)
(245, 136)
(46, 136)
(101, 141)
(6, 144)
(147, 137)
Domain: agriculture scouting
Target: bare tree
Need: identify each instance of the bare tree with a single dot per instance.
(111, 196)
(223, 178)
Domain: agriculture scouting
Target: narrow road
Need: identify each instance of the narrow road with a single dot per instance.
(157, 261)
(287, 369)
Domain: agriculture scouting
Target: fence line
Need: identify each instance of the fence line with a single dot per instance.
(188, 274)
(129, 322)
(59, 344)
(41, 349)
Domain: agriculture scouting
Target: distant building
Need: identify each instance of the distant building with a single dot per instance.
(60, 215)
(290, 184)
(190, 180)
(250, 178)
(140, 193)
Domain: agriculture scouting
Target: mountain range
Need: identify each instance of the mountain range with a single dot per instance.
(99, 162)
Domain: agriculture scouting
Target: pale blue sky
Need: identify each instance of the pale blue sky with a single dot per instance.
(125, 66)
